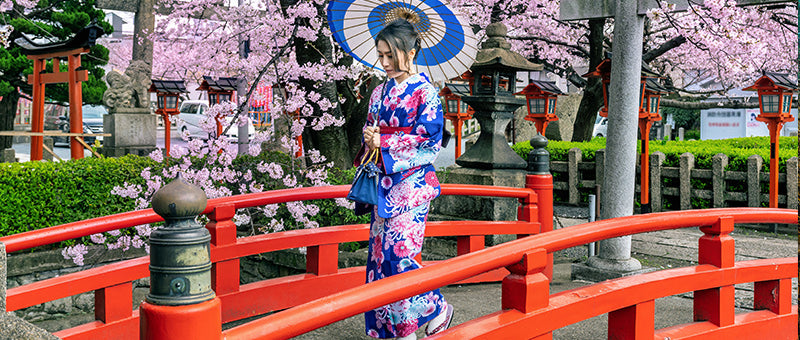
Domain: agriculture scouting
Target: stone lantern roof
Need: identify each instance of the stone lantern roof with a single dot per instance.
(496, 52)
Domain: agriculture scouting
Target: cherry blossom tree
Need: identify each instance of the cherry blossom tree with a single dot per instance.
(714, 38)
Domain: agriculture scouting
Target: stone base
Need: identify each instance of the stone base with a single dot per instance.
(122, 151)
(12, 327)
(476, 207)
(130, 130)
(585, 272)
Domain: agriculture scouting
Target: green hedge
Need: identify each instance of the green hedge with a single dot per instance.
(737, 149)
(38, 195)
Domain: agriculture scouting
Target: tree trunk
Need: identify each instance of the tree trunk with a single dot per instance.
(593, 92)
(8, 110)
(332, 141)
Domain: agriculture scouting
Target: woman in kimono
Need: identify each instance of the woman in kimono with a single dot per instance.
(408, 136)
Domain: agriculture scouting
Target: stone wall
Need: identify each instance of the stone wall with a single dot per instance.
(576, 177)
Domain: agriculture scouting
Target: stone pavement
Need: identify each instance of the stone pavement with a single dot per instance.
(660, 250)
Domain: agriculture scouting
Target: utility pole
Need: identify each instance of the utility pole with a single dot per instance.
(241, 90)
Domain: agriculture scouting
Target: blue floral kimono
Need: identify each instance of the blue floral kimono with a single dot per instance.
(411, 122)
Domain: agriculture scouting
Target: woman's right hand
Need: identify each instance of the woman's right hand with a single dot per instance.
(372, 137)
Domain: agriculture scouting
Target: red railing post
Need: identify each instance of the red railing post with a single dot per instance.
(541, 181)
(716, 248)
(527, 289)
(224, 274)
(635, 322)
(774, 295)
(322, 259)
(113, 303)
(469, 244)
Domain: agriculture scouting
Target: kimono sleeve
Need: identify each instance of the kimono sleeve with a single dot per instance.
(402, 151)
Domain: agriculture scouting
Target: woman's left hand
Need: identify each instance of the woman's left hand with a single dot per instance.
(372, 136)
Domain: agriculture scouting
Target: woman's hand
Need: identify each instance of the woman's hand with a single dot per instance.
(372, 137)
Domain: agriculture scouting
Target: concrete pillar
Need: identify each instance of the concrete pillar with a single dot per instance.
(599, 167)
(8, 156)
(680, 134)
(754, 163)
(791, 183)
(574, 157)
(614, 256)
(656, 162)
(668, 131)
(718, 164)
(685, 179)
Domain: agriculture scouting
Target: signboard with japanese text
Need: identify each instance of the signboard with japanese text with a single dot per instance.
(736, 123)
(722, 123)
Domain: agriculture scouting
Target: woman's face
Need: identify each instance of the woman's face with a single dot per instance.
(386, 59)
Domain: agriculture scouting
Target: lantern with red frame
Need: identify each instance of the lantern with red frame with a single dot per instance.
(168, 99)
(775, 91)
(455, 109)
(541, 97)
(220, 90)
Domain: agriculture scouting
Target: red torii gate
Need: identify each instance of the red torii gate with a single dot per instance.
(72, 50)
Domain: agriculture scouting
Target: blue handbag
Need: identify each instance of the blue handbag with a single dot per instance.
(365, 183)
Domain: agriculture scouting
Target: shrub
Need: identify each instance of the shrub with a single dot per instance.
(737, 149)
(42, 194)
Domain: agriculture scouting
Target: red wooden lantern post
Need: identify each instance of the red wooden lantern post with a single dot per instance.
(541, 97)
(456, 110)
(168, 93)
(648, 113)
(775, 92)
(220, 90)
(650, 92)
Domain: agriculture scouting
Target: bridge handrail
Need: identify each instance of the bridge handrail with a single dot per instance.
(68, 231)
(575, 305)
(126, 271)
(350, 302)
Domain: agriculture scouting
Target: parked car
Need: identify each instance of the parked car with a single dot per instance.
(191, 113)
(600, 127)
(92, 123)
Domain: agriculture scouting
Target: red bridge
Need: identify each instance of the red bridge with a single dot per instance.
(326, 293)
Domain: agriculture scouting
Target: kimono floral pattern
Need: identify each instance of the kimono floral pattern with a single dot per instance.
(408, 183)
(413, 104)
(394, 242)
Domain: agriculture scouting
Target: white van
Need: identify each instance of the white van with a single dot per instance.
(191, 113)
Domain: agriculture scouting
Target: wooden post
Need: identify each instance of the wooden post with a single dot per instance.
(716, 248)
(37, 119)
(75, 105)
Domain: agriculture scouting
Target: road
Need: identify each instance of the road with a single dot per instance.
(446, 156)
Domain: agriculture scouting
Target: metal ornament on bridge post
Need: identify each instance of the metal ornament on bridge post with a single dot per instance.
(181, 303)
(540, 180)
(495, 77)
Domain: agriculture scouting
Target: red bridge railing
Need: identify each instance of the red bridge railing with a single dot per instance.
(112, 284)
(530, 312)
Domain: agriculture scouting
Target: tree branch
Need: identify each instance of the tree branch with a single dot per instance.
(583, 51)
(708, 105)
(664, 48)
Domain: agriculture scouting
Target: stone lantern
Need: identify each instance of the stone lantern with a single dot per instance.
(490, 161)
(495, 76)
(775, 91)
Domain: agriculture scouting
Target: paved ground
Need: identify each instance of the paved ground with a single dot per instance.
(665, 249)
